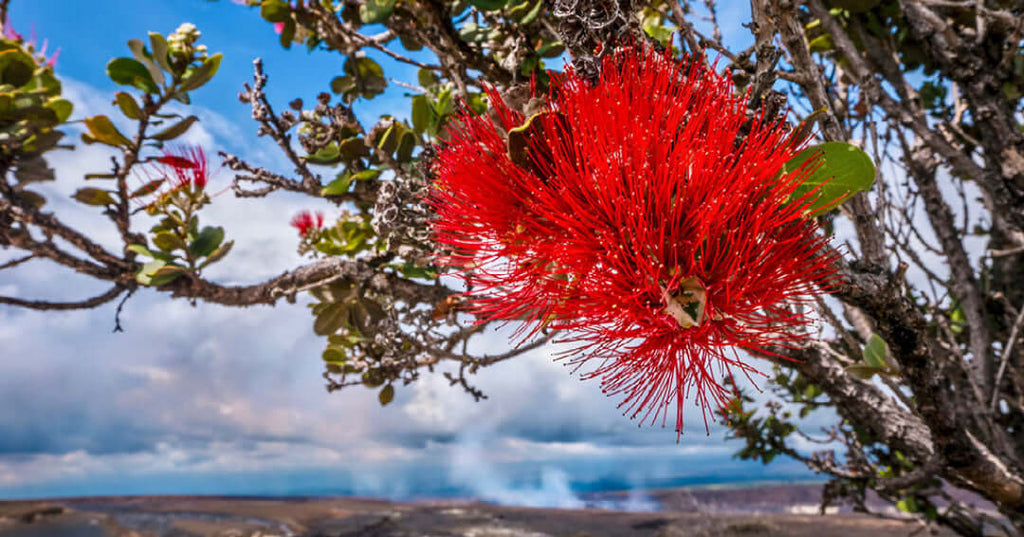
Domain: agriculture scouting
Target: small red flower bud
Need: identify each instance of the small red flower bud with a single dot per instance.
(307, 221)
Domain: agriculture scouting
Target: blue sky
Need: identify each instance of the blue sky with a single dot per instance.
(216, 400)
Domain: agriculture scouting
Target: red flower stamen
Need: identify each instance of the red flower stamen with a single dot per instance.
(639, 222)
(185, 166)
(307, 221)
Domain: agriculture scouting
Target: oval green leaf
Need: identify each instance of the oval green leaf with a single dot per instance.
(131, 72)
(845, 170)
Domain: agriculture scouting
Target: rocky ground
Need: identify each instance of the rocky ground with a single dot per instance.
(683, 514)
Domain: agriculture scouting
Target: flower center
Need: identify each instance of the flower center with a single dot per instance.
(686, 302)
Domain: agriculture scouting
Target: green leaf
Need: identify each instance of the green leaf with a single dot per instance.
(386, 395)
(103, 131)
(822, 43)
(874, 352)
(128, 106)
(207, 241)
(367, 78)
(168, 242)
(16, 67)
(427, 78)
(34, 199)
(844, 171)
(175, 130)
(140, 250)
(422, 114)
(352, 148)
(331, 319)
(537, 127)
(147, 188)
(374, 11)
(131, 72)
(343, 84)
(488, 5)
(217, 254)
(159, 45)
(145, 273)
(527, 12)
(864, 371)
(61, 107)
(288, 34)
(551, 49)
(806, 127)
(275, 10)
(94, 196)
(202, 74)
(333, 354)
(409, 43)
(329, 154)
(406, 145)
(907, 505)
(166, 274)
(143, 56)
(338, 186)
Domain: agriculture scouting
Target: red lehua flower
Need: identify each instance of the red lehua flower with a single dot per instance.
(307, 221)
(643, 224)
(185, 166)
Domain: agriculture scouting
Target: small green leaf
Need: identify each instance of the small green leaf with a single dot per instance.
(128, 106)
(175, 130)
(94, 196)
(275, 10)
(406, 145)
(207, 241)
(338, 186)
(140, 250)
(131, 72)
(143, 56)
(217, 254)
(327, 155)
(874, 352)
(352, 148)
(147, 188)
(845, 170)
(488, 5)
(822, 43)
(288, 34)
(806, 127)
(333, 354)
(537, 128)
(527, 12)
(103, 131)
(202, 74)
(427, 78)
(864, 371)
(374, 11)
(422, 114)
(16, 67)
(386, 395)
(166, 274)
(907, 505)
(331, 319)
(62, 107)
(145, 273)
(168, 242)
(159, 45)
